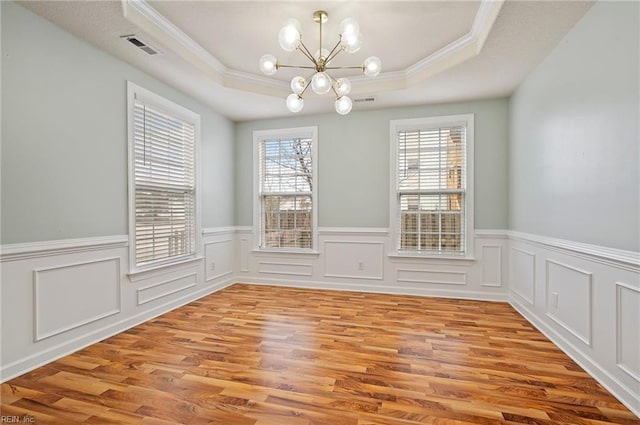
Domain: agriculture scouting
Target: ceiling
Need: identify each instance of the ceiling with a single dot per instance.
(431, 51)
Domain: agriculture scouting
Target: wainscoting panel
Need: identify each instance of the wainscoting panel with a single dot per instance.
(285, 268)
(218, 256)
(353, 259)
(73, 295)
(491, 258)
(523, 274)
(569, 295)
(359, 259)
(60, 296)
(244, 255)
(587, 302)
(431, 277)
(165, 288)
(628, 329)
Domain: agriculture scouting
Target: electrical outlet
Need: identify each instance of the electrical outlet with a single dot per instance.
(213, 265)
(555, 299)
(360, 265)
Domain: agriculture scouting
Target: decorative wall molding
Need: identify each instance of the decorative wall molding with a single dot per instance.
(575, 286)
(378, 288)
(158, 290)
(491, 276)
(43, 355)
(351, 259)
(162, 269)
(627, 395)
(72, 295)
(519, 268)
(21, 251)
(244, 255)
(285, 268)
(608, 356)
(214, 231)
(431, 277)
(585, 308)
(622, 356)
(219, 261)
(491, 234)
(627, 260)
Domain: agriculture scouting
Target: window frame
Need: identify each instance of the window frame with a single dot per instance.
(394, 204)
(136, 92)
(258, 231)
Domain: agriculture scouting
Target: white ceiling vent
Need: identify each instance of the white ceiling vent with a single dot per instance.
(140, 44)
(368, 99)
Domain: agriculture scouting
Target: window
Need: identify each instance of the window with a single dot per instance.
(163, 204)
(285, 202)
(432, 163)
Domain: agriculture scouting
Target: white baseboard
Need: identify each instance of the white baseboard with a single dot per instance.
(626, 395)
(374, 289)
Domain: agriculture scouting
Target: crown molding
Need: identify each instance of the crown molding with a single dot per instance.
(142, 14)
(460, 50)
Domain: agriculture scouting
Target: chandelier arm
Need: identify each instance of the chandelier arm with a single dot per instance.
(331, 54)
(307, 53)
(305, 89)
(346, 67)
(335, 92)
(295, 66)
(333, 83)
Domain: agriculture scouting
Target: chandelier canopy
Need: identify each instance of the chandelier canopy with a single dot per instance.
(321, 81)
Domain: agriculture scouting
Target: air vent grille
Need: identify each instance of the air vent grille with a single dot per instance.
(142, 45)
(364, 99)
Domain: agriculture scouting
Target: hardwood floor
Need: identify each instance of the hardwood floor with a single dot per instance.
(265, 355)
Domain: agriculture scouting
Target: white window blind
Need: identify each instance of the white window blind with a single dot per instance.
(286, 192)
(431, 189)
(164, 184)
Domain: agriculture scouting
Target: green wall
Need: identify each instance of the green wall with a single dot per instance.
(64, 136)
(575, 141)
(353, 161)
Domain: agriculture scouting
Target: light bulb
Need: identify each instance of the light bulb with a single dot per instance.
(349, 26)
(289, 35)
(321, 83)
(343, 105)
(351, 42)
(372, 66)
(298, 84)
(342, 86)
(269, 64)
(295, 102)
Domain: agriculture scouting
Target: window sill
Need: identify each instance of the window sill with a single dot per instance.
(431, 257)
(312, 253)
(141, 274)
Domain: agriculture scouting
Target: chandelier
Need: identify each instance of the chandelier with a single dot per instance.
(321, 81)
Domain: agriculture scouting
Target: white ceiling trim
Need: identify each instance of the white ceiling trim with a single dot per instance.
(466, 47)
(140, 13)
